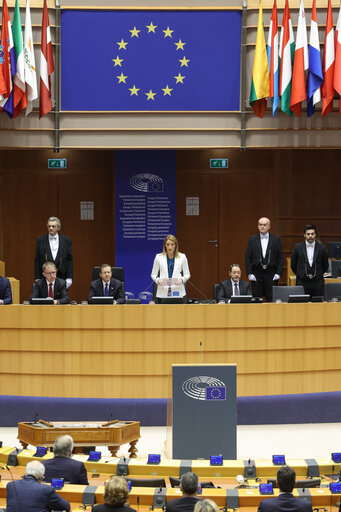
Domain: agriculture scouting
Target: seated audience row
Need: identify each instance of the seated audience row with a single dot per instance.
(30, 494)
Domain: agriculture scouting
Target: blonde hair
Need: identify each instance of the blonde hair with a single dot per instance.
(172, 239)
(206, 506)
(116, 491)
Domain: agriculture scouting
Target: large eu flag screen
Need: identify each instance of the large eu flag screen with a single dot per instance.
(150, 60)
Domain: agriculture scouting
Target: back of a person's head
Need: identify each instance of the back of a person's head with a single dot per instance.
(116, 491)
(35, 468)
(286, 477)
(189, 483)
(206, 506)
(63, 445)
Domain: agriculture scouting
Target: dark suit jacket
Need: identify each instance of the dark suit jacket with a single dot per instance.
(73, 471)
(33, 497)
(299, 262)
(253, 254)
(184, 504)
(115, 290)
(285, 502)
(5, 290)
(225, 289)
(63, 259)
(40, 290)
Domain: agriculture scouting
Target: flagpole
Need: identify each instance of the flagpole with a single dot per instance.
(243, 77)
(57, 79)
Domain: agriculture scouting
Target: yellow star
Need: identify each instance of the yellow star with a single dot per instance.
(184, 62)
(179, 78)
(150, 95)
(151, 27)
(122, 78)
(167, 90)
(121, 45)
(168, 32)
(117, 61)
(134, 32)
(180, 45)
(134, 91)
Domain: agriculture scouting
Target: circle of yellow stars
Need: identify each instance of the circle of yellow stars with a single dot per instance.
(122, 78)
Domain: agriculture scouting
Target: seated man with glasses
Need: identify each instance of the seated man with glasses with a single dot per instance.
(50, 286)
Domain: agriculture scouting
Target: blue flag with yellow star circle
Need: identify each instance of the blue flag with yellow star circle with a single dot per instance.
(150, 60)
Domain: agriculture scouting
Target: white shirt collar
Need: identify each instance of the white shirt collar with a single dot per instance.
(266, 236)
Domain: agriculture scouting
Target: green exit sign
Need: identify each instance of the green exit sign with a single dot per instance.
(219, 162)
(57, 163)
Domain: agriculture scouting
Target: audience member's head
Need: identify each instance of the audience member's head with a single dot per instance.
(189, 483)
(116, 491)
(63, 446)
(36, 469)
(206, 506)
(286, 477)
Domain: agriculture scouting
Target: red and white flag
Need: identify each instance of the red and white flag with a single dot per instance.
(337, 70)
(46, 65)
(301, 64)
(328, 64)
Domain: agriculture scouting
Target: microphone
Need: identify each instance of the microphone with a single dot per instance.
(202, 354)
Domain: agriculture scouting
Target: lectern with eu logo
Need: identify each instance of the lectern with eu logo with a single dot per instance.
(203, 411)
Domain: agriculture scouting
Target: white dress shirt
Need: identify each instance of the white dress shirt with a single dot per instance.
(54, 245)
(234, 288)
(310, 252)
(264, 240)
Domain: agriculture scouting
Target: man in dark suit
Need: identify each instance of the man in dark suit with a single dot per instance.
(63, 466)
(50, 285)
(106, 286)
(5, 291)
(189, 485)
(233, 286)
(309, 261)
(286, 501)
(30, 495)
(264, 260)
(56, 248)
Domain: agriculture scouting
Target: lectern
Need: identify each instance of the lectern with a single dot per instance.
(203, 411)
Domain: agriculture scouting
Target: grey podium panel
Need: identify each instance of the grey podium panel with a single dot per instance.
(204, 411)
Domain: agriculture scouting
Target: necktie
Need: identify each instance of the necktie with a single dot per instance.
(106, 290)
(236, 289)
(50, 291)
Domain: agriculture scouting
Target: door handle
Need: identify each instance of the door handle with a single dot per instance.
(215, 242)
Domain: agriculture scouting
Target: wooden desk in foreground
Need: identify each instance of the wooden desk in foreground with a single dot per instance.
(144, 496)
(112, 434)
(127, 351)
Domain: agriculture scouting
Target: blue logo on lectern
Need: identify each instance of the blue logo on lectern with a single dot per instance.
(204, 388)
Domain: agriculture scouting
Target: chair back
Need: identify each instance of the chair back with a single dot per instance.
(332, 291)
(216, 288)
(282, 292)
(117, 273)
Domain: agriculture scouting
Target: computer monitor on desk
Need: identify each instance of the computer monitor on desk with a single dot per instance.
(102, 300)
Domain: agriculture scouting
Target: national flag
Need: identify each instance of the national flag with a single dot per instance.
(287, 54)
(19, 88)
(272, 51)
(328, 64)
(9, 68)
(29, 61)
(260, 85)
(301, 64)
(337, 70)
(315, 77)
(46, 65)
